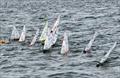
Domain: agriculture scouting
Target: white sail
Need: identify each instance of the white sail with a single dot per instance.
(56, 23)
(34, 38)
(48, 41)
(108, 53)
(15, 34)
(44, 32)
(55, 30)
(22, 37)
(55, 35)
(65, 45)
(52, 35)
(88, 47)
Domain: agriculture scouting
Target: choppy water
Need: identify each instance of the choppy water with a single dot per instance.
(81, 17)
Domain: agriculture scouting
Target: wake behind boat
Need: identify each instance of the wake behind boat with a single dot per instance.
(88, 47)
(104, 59)
(22, 37)
(15, 34)
(65, 45)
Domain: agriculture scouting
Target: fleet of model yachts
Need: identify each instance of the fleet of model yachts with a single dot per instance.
(49, 37)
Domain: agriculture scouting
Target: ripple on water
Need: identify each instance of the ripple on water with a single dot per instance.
(81, 17)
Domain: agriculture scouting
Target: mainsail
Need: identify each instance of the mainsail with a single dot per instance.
(55, 30)
(34, 38)
(56, 23)
(106, 55)
(44, 32)
(51, 36)
(65, 45)
(48, 41)
(15, 34)
(88, 47)
(22, 37)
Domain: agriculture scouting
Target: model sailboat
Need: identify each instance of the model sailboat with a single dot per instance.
(88, 47)
(22, 37)
(54, 30)
(44, 33)
(48, 41)
(3, 42)
(56, 23)
(34, 38)
(65, 45)
(104, 59)
(51, 36)
(15, 34)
